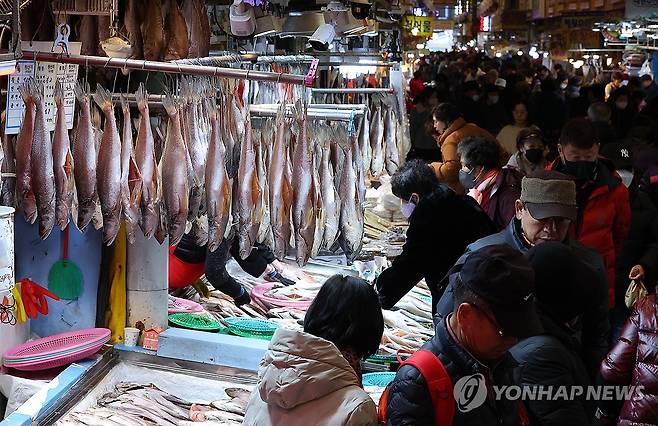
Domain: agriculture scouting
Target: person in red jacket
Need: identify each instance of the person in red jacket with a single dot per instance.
(604, 213)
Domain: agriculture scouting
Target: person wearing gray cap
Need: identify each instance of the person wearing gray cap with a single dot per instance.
(495, 308)
(545, 212)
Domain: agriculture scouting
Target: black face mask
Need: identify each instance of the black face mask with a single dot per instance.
(581, 170)
(534, 155)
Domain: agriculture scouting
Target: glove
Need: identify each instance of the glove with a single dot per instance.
(34, 298)
(276, 276)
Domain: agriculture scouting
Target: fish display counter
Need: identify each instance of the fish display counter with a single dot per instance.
(135, 388)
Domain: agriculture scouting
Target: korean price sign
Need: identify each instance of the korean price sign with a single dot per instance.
(420, 26)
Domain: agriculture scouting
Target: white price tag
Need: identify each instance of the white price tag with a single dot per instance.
(46, 73)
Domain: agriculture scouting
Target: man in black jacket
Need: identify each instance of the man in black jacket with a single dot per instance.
(441, 225)
(553, 359)
(545, 212)
(495, 308)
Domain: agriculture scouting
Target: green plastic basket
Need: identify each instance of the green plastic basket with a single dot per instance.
(251, 327)
(378, 379)
(387, 359)
(194, 322)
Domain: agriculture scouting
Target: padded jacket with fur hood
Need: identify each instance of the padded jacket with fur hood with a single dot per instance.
(304, 380)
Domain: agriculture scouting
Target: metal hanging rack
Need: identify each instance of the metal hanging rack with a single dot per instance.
(174, 68)
(271, 110)
(357, 90)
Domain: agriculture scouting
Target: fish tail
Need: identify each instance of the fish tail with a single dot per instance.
(125, 107)
(59, 93)
(36, 89)
(103, 98)
(142, 97)
(169, 104)
(25, 91)
(81, 90)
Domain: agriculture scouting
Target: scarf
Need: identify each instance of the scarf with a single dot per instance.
(483, 192)
(355, 362)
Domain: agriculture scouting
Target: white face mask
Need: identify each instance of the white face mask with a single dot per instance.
(626, 177)
(407, 209)
(563, 86)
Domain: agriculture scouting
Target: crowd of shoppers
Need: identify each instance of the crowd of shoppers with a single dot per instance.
(532, 204)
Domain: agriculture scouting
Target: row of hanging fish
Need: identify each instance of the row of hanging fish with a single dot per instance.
(216, 176)
(381, 140)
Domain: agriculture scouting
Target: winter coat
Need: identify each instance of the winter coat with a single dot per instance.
(595, 322)
(409, 402)
(448, 170)
(604, 217)
(641, 246)
(552, 359)
(305, 380)
(500, 206)
(633, 360)
(440, 228)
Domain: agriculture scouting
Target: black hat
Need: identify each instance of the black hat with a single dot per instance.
(504, 278)
(620, 154)
(563, 283)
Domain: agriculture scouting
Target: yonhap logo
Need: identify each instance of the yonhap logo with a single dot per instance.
(470, 392)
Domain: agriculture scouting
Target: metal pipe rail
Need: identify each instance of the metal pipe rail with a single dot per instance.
(173, 68)
(313, 114)
(356, 90)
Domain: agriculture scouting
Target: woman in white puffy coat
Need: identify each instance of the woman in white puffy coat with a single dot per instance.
(314, 377)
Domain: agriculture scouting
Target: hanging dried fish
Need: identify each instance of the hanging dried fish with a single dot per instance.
(84, 157)
(303, 210)
(108, 172)
(281, 194)
(177, 45)
(131, 179)
(41, 165)
(62, 162)
(25, 200)
(218, 188)
(152, 28)
(147, 166)
(175, 183)
(248, 194)
(351, 212)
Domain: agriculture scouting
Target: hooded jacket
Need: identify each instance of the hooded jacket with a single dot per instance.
(447, 171)
(304, 380)
(595, 322)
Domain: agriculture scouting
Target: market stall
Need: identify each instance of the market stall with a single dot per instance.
(124, 132)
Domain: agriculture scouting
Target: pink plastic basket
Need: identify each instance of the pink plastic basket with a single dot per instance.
(58, 350)
(259, 291)
(180, 306)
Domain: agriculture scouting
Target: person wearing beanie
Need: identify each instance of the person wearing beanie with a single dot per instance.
(563, 283)
(546, 211)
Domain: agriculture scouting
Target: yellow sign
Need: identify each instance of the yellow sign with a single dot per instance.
(420, 26)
